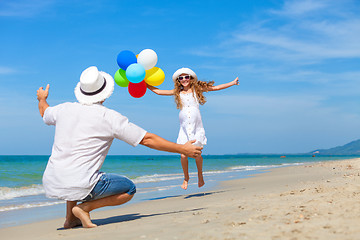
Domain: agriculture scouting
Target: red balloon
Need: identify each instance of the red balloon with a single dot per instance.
(137, 90)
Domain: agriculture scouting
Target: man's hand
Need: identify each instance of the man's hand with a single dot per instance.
(191, 150)
(235, 81)
(43, 94)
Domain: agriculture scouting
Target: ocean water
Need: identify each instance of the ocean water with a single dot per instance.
(22, 197)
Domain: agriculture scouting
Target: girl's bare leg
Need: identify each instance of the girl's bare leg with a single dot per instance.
(82, 211)
(199, 164)
(70, 220)
(185, 167)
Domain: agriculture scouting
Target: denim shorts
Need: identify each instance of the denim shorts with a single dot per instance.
(111, 184)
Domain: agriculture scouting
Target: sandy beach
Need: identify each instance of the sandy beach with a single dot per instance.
(311, 201)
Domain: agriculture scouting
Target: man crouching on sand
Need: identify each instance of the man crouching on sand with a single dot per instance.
(83, 135)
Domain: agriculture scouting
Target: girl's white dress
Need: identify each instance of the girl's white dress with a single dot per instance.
(191, 126)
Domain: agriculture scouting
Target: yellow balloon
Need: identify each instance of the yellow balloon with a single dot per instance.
(154, 76)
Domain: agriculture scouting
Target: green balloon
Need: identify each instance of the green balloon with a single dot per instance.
(120, 78)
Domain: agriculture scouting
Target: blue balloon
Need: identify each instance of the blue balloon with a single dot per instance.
(125, 59)
(135, 73)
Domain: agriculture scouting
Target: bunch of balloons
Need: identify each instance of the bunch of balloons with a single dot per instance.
(138, 70)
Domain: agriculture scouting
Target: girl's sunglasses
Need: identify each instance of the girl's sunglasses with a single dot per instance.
(187, 77)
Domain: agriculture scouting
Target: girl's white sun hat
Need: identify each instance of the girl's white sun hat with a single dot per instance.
(186, 71)
(94, 86)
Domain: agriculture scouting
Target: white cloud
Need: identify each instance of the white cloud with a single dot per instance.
(300, 7)
(311, 46)
(315, 77)
(264, 105)
(300, 32)
(23, 8)
(6, 70)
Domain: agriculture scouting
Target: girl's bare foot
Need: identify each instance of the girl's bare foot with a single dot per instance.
(83, 216)
(185, 184)
(201, 182)
(72, 223)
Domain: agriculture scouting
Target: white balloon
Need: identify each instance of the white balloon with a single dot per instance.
(147, 58)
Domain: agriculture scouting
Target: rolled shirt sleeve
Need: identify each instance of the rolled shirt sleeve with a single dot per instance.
(125, 130)
(49, 117)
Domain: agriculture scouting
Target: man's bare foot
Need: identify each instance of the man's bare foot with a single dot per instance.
(83, 216)
(201, 182)
(185, 184)
(72, 223)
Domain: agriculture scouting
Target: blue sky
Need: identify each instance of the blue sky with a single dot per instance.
(298, 63)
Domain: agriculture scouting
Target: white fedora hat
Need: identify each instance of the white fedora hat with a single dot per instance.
(184, 70)
(94, 86)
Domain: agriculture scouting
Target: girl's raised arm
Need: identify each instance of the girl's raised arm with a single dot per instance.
(161, 92)
(223, 86)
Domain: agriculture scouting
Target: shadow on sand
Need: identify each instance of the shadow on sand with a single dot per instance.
(186, 196)
(135, 216)
(201, 194)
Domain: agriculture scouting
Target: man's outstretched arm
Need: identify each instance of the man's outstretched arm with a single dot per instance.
(156, 142)
(42, 96)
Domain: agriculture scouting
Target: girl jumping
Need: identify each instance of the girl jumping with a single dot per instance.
(188, 93)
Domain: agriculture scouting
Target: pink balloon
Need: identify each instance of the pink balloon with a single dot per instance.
(137, 90)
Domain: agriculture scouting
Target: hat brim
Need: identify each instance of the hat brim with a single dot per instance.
(104, 94)
(184, 71)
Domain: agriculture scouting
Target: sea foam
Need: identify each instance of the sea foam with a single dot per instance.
(259, 167)
(10, 193)
(29, 205)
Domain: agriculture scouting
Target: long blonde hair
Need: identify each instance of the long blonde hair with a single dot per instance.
(198, 87)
